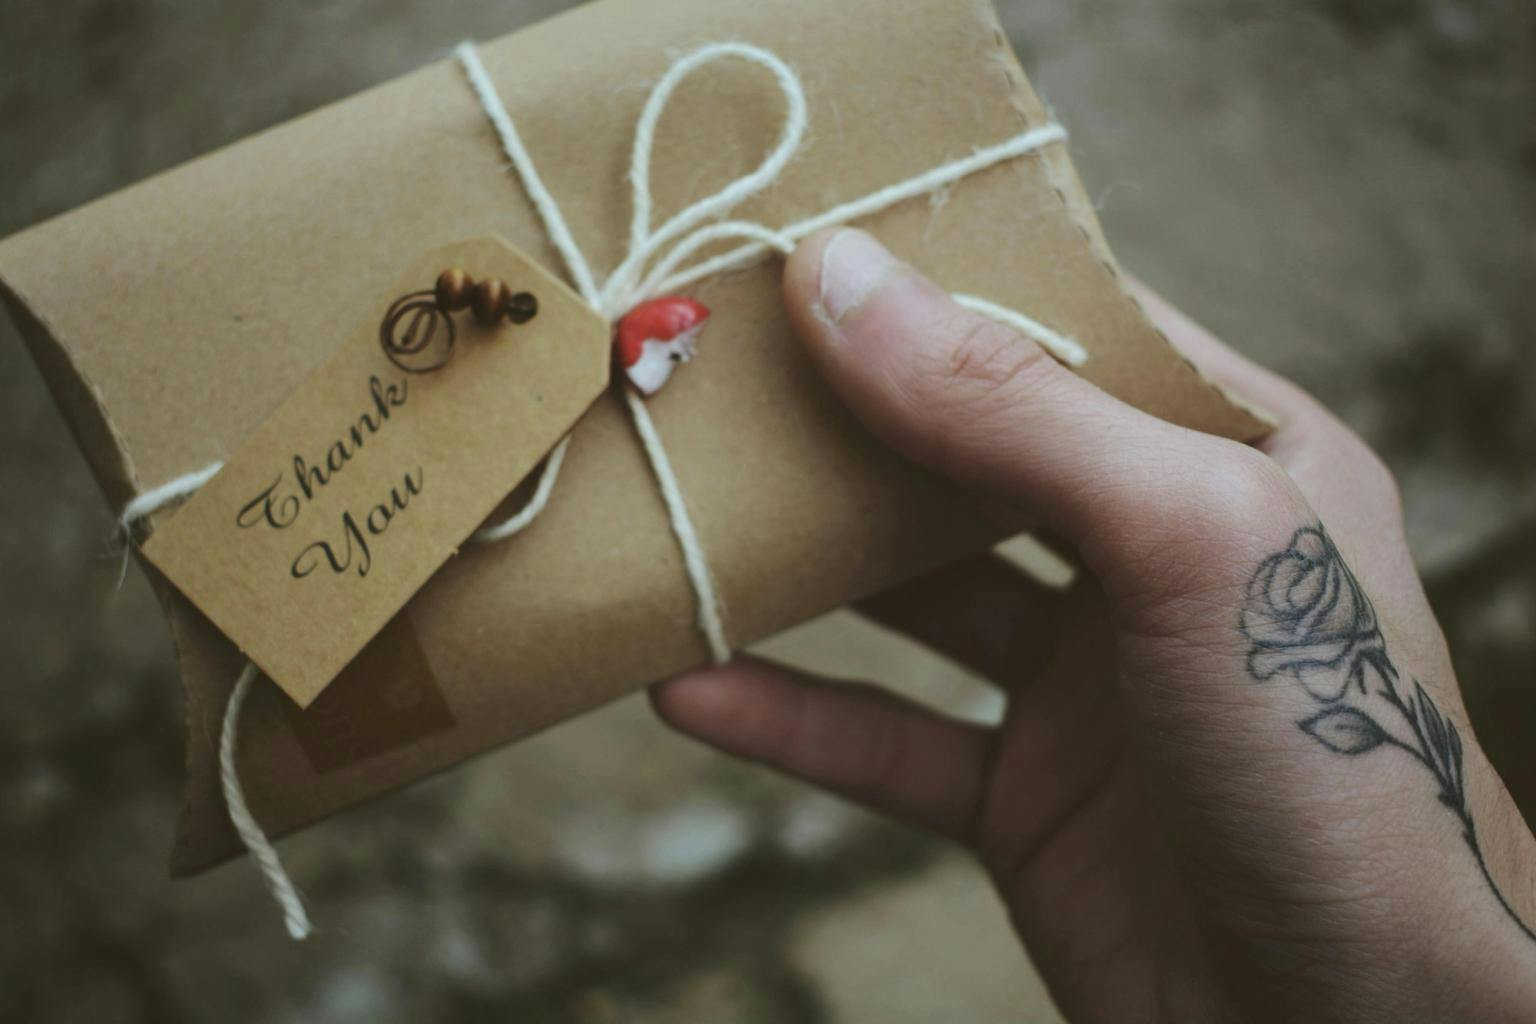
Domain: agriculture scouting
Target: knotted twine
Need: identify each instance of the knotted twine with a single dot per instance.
(695, 228)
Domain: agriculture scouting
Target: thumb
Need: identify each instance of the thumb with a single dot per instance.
(980, 403)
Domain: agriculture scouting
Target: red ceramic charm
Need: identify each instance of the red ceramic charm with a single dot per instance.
(655, 336)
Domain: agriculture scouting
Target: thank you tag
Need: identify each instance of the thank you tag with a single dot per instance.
(383, 462)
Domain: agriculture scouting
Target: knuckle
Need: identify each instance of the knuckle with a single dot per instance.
(1219, 488)
(1375, 476)
(1206, 522)
(968, 389)
(1348, 453)
(1252, 482)
(1244, 486)
(987, 358)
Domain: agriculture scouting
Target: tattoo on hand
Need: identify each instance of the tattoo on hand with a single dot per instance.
(1308, 619)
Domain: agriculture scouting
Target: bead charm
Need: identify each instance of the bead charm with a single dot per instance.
(417, 333)
(490, 299)
(453, 290)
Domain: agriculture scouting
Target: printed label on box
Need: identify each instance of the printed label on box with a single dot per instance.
(386, 698)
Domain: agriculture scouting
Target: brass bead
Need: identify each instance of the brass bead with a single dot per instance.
(453, 290)
(522, 307)
(489, 300)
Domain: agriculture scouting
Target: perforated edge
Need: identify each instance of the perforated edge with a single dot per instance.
(1016, 84)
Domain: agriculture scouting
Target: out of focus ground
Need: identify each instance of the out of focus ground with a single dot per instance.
(1345, 189)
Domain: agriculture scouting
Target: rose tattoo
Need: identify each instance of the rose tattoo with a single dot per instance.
(1307, 618)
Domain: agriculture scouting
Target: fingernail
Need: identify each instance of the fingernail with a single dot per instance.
(853, 267)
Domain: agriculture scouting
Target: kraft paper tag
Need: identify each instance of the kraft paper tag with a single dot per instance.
(368, 478)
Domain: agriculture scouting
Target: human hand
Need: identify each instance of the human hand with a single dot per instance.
(1235, 780)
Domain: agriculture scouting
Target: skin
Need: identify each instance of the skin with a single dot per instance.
(1169, 844)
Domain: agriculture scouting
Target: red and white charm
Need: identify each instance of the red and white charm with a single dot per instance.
(655, 336)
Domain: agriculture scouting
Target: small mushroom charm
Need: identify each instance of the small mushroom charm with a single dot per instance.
(655, 336)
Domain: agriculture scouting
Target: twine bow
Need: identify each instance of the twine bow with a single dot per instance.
(687, 233)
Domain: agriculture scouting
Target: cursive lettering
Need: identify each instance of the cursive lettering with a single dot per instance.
(354, 552)
(277, 506)
(275, 510)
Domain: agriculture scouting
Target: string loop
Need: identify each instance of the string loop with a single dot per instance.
(618, 294)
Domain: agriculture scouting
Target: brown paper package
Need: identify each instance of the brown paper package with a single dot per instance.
(215, 287)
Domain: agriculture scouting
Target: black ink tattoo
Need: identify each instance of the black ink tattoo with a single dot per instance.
(1308, 619)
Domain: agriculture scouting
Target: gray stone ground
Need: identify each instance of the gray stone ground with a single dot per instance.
(1343, 188)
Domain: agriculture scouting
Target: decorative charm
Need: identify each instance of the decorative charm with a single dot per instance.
(655, 336)
(410, 329)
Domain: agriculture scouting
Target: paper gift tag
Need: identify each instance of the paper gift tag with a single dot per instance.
(369, 477)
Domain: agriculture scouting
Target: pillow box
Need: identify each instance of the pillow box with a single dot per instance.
(298, 229)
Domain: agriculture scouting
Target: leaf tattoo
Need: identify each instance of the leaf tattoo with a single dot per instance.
(1307, 619)
(1344, 730)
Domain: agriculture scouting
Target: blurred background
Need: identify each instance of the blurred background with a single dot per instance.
(1343, 189)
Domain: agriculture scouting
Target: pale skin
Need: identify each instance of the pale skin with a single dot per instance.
(1183, 819)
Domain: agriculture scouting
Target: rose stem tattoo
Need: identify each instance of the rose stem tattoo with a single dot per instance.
(1308, 619)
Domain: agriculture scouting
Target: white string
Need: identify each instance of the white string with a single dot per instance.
(618, 293)
(152, 499)
(874, 202)
(711, 618)
(624, 288)
(512, 144)
(659, 281)
(255, 840)
(529, 512)
(158, 497)
(1059, 345)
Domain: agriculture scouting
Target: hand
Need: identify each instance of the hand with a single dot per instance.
(1235, 780)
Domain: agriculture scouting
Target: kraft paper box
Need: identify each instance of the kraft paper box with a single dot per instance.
(216, 287)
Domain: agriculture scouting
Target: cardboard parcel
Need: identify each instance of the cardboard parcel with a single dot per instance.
(218, 286)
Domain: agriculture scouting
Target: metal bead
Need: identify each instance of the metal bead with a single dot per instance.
(453, 290)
